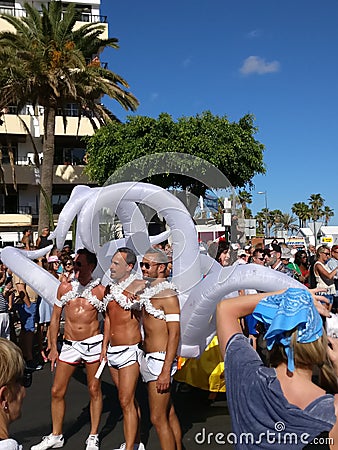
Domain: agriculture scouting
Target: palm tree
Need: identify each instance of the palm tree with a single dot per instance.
(244, 199)
(302, 211)
(327, 214)
(316, 202)
(46, 62)
(286, 222)
(273, 218)
(260, 218)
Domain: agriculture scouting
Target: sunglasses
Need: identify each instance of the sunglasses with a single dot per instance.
(147, 265)
(327, 254)
(69, 264)
(261, 259)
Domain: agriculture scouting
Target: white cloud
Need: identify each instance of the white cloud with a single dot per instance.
(255, 64)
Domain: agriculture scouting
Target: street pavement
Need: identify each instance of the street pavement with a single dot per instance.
(201, 420)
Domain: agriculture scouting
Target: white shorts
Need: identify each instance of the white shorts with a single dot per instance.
(88, 350)
(151, 366)
(119, 356)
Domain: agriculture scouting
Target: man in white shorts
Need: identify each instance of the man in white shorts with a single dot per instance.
(121, 340)
(81, 300)
(161, 322)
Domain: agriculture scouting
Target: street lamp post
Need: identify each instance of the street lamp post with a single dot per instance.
(266, 211)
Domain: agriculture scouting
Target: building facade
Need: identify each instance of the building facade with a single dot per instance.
(21, 130)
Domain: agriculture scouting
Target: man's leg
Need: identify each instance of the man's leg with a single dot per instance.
(176, 427)
(95, 393)
(125, 380)
(63, 374)
(159, 416)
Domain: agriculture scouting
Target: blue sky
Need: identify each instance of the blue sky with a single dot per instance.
(277, 60)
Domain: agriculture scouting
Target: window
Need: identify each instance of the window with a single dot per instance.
(69, 155)
(58, 202)
(85, 11)
(71, 110)
(7, 3)
(5, 153)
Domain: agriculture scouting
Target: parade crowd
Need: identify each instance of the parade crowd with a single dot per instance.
(133, 325)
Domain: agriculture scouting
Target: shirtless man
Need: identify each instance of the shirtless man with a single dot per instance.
(122, 337)
(81, 300)
(161, 322)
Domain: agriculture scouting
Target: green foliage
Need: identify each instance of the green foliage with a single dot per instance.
(230, 147)
(45, 61)
(315, 210)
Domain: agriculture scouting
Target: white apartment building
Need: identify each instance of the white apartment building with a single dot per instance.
(19, 208)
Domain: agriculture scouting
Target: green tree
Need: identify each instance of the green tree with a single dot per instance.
(230, 147)
(316, 203)
(260, 218)
(286, 222)
(273, 218)
(327, 214)
(244, 198)
(302, 211)
(44, 61)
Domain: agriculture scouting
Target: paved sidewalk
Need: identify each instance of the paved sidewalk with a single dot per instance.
(200, 420)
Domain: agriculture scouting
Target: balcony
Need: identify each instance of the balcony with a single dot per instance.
(64, 174)
(15, 220)
(19, 210)
(13, 125)
(83, 17)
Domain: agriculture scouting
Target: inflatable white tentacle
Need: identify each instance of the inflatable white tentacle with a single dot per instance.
(41, 281)
(198, 314)
(186, 269)
(77, 199)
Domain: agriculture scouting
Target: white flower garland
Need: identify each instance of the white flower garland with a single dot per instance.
(150, 292)
(116, 294)
(85, 292)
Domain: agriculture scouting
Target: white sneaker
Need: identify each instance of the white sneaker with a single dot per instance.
(51, 441)
(138, 446)
(92, 442)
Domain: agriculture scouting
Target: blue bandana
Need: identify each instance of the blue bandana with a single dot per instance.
(284, 312)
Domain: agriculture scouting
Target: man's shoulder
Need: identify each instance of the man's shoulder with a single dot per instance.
(100, 291)
(165, 288)
(65, 286)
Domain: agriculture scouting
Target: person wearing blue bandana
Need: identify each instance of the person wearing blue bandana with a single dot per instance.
(280, 405)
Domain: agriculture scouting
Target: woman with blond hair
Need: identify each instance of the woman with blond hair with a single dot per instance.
(325, 277)
(12, 390)
(280, 404)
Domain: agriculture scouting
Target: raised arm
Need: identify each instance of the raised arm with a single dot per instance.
(324, 273)
(231, 309)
